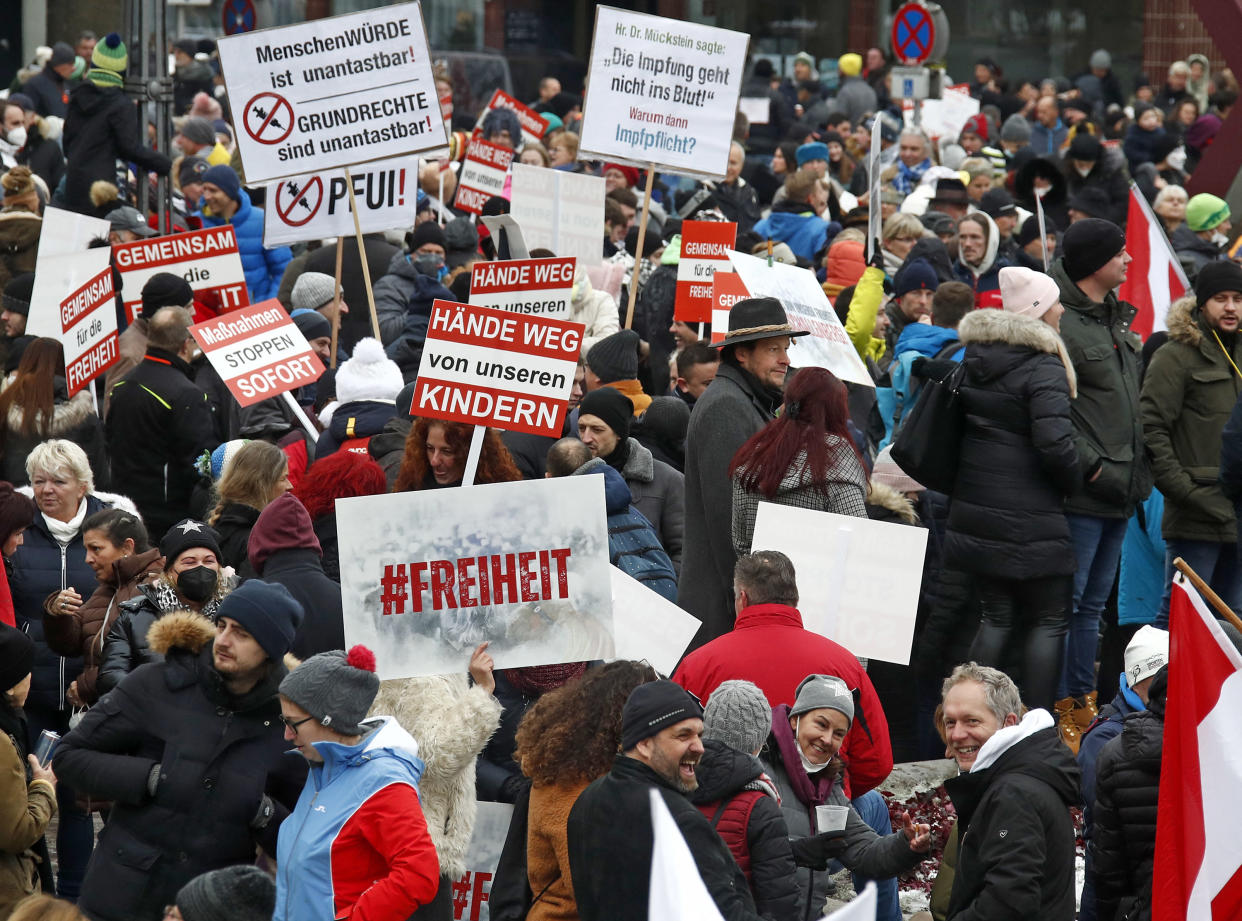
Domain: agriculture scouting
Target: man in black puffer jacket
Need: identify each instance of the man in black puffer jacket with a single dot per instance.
(100, 128)
(1127, 788)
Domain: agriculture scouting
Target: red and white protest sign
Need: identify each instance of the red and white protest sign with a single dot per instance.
(258, 351)
(543, 287)
(534, 125)
(482, 175)
(705, 247)
(493, 367)
(317, 206)
(208, 259)
(727, 290)
(73, 301)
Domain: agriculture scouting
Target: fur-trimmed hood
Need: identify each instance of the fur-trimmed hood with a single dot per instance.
(1001, 327)
(66, 415)
(881, 495)
(110, 499)
(180, 630)
(1182, 322)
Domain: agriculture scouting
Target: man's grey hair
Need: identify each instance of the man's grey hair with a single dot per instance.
(768, 578)
(998, 688)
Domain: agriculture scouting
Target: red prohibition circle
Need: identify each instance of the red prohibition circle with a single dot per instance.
(268, 110)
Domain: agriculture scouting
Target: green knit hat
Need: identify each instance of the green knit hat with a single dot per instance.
(108, 61)
(1204, 212)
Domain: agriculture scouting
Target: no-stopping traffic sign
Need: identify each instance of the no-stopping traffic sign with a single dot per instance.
(913, 34)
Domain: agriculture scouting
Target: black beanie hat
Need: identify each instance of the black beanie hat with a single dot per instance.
(426, 232)
(17, 652)
(241, 893)
(654, 706)
(1030, 229)
(1089, 245)
(611, 405)
(615, 357)
(1084, 147)
(16, 511)
(1164, 145)
(164, 289)
(268, 612)
(17, 294)
(184, 535)
(1215, 277)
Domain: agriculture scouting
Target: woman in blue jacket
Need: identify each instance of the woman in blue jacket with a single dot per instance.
(222, 193)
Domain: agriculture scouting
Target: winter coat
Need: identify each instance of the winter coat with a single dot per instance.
(352, 425)
(40, 566)
(658, 492)
(611, 839)
(300, 569)
(1127, 789)
(73, 419)
(1018, 460)
(19, 242)
(100, 129)
(747, 815)
(844, 491)
(1047, 142)
(1193, 252)
(214, 758)
(82, 633)
(131, 347)
(633, 546)
(26, 808)
(189, 80)
(734, 407)
(1110, 178)
(984, 278)
(1189, 391)
(233, 534)
(48, 91)
(158, 407)
(356, 324)
(769, 646)
(42, 152)
(356, 844)
(1016, 858)
(325, 532)
(387, 448)
(452, 720)
(856, 98)
(547, 852)
(405, 294)
(1108, 422)
(262, 267)
(866, 853)
(738, 203)
(595, 310)
(797, 225)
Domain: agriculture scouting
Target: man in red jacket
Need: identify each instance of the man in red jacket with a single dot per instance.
(769, 646)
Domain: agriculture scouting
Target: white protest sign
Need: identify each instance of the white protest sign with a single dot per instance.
(428, 575)
(757, 109)
(208, 259)
(316, 206)
(648, 625)
(482, 175)
(68, 232)
(560, 211)
(332, 92)
(705, 248)
(73, 302)
(861, 908)
(534, 125)
(542, 287)
(258, 351)
(662, 92)
(807, 308)
(472, 889)
(850, 592)
(944, 117)
(493, 367)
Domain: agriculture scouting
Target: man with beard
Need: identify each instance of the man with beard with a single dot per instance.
(610, 834)
(977, 262)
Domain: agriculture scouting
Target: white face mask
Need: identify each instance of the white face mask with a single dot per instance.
(1177, 159)
(1219, 239)
(1083, 171)
(17, 136)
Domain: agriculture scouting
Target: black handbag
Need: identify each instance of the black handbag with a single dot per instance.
(930, 441)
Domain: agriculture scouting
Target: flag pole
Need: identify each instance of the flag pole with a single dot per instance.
(1205, 590)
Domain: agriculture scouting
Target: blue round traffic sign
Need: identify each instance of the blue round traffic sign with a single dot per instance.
(238, 16)
(913, 33)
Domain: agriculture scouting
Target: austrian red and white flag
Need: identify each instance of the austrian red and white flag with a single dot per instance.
(1198, 848)
(1155, 278)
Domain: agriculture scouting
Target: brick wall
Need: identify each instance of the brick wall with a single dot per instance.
(1172, 30)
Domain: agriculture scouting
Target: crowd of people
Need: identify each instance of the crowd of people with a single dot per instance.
(172, 610)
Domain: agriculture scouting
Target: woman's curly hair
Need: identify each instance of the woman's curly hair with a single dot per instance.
(573, 733)
(495, 463)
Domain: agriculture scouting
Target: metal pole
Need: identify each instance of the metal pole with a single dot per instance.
(136, 88)
(159, 88)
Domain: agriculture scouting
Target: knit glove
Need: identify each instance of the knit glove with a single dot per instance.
(264, 814)
(815, 851)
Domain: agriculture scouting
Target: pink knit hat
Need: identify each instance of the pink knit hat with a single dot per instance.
(1027, 292)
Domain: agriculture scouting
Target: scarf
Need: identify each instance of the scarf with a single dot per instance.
(634, 390)
(620, 456)
(809, 791)
(65, 531)
(163, 594)
(7, 613)
(536, 680)
(770, 397)
(909, 176)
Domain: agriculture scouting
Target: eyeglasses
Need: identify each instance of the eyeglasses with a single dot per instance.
(294, 724)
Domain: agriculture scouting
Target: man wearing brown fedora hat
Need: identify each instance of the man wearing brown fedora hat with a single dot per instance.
(742, 399)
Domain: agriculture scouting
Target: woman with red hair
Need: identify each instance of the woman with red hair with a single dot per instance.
(804, 457)
(342, 475)
(435, 457)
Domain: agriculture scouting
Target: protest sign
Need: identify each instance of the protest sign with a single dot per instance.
(647, 625)
(727, 290)
(472, 890)
(807, 307)
(428, 575)
(944, 117)
(482, 175)
(68, 232)
(73, 302)
(492, 367)
(316, 206)
(559, 211)
(849, 590)
(663, 92)
(533, 124)
(542, 287)
(207, 259)
(332, 92)
(705, 247)
(258, 351)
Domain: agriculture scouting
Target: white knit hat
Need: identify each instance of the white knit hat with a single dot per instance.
(1027, 292)
(312, 290)
(1146, 653)
(368, 375)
